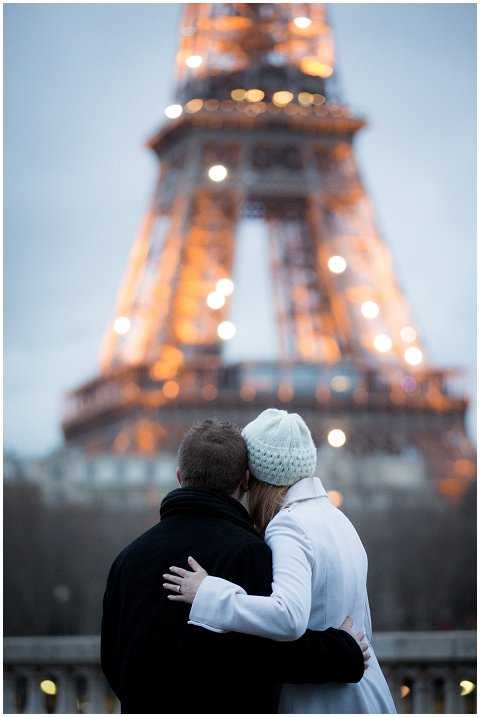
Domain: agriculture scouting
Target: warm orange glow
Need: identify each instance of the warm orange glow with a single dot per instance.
(451, 487)
(318, 100)
(254, 95)
(247, 393)
(238, 95)
(209, 392)
(305, 98)
(171, 389)
(335, 497)
(464, 467)
(168, 365)
(193, 106)
(313, 67)
(282, 98)
(285, 392)
(145, 437)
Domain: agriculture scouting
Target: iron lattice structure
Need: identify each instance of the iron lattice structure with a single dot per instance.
(256, 131)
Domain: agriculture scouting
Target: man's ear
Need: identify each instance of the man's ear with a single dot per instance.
(179, 478)
(245, 481)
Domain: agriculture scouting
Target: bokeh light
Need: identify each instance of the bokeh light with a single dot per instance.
(336, 438)
(337, 264)
(226, 330)
(121, 325)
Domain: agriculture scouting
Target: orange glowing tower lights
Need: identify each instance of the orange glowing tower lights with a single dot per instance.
(256, 130)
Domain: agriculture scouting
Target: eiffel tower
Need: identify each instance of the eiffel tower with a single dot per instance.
(257, 132)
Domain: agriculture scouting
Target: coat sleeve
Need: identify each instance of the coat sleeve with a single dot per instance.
(317, 657)
(221, 605)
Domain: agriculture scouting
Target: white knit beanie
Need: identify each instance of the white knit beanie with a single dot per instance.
(280, 447)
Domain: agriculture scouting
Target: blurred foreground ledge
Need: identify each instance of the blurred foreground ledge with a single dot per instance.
(428, 672)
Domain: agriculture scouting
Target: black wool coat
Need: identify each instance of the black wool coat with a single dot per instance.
(157, 663)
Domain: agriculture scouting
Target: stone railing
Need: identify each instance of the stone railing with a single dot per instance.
(428, 672)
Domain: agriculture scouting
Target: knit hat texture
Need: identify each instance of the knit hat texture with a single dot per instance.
(280, 447)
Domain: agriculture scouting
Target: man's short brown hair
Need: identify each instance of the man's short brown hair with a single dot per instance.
(213, 455)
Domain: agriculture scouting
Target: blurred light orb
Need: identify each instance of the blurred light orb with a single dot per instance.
(413, 355)
(225, 287)
(194, 105)
(305, 99)
(194, 61)
(170, 389)
(466, 687)
(285, 392)
(319, 100)
(336, 438)
(217, 173)
(302, 22)
(226, 330)
(215, 300)
(122, 325)
(282, 98)
(313, 67)
(173, 111)
(337, 264)
(238, 95)
(340, 383)
(254, 95)
(408, 334)
(370, 309)
(48, 687)
(382, 343)
(335, 497)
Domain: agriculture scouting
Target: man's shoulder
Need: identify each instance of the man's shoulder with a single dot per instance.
(137, 546)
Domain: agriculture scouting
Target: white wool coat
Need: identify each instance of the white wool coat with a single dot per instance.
(319, 578)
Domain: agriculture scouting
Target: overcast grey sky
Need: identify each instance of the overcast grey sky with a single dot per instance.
(84, 87)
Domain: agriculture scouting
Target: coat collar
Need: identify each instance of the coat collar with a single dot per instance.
(188, 502)
(305, 489)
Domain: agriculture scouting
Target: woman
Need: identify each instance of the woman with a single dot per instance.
(319, 567)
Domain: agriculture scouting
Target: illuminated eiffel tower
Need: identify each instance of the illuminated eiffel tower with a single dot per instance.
(254, 133)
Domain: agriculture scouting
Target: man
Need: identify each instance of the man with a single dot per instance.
(153, 659)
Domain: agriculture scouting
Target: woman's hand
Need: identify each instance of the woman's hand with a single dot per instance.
(347, 625)
(185, 583)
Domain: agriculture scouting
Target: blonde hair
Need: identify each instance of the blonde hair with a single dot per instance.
(264, 501)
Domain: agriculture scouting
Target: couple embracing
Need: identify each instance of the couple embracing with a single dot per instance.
(223, 609)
